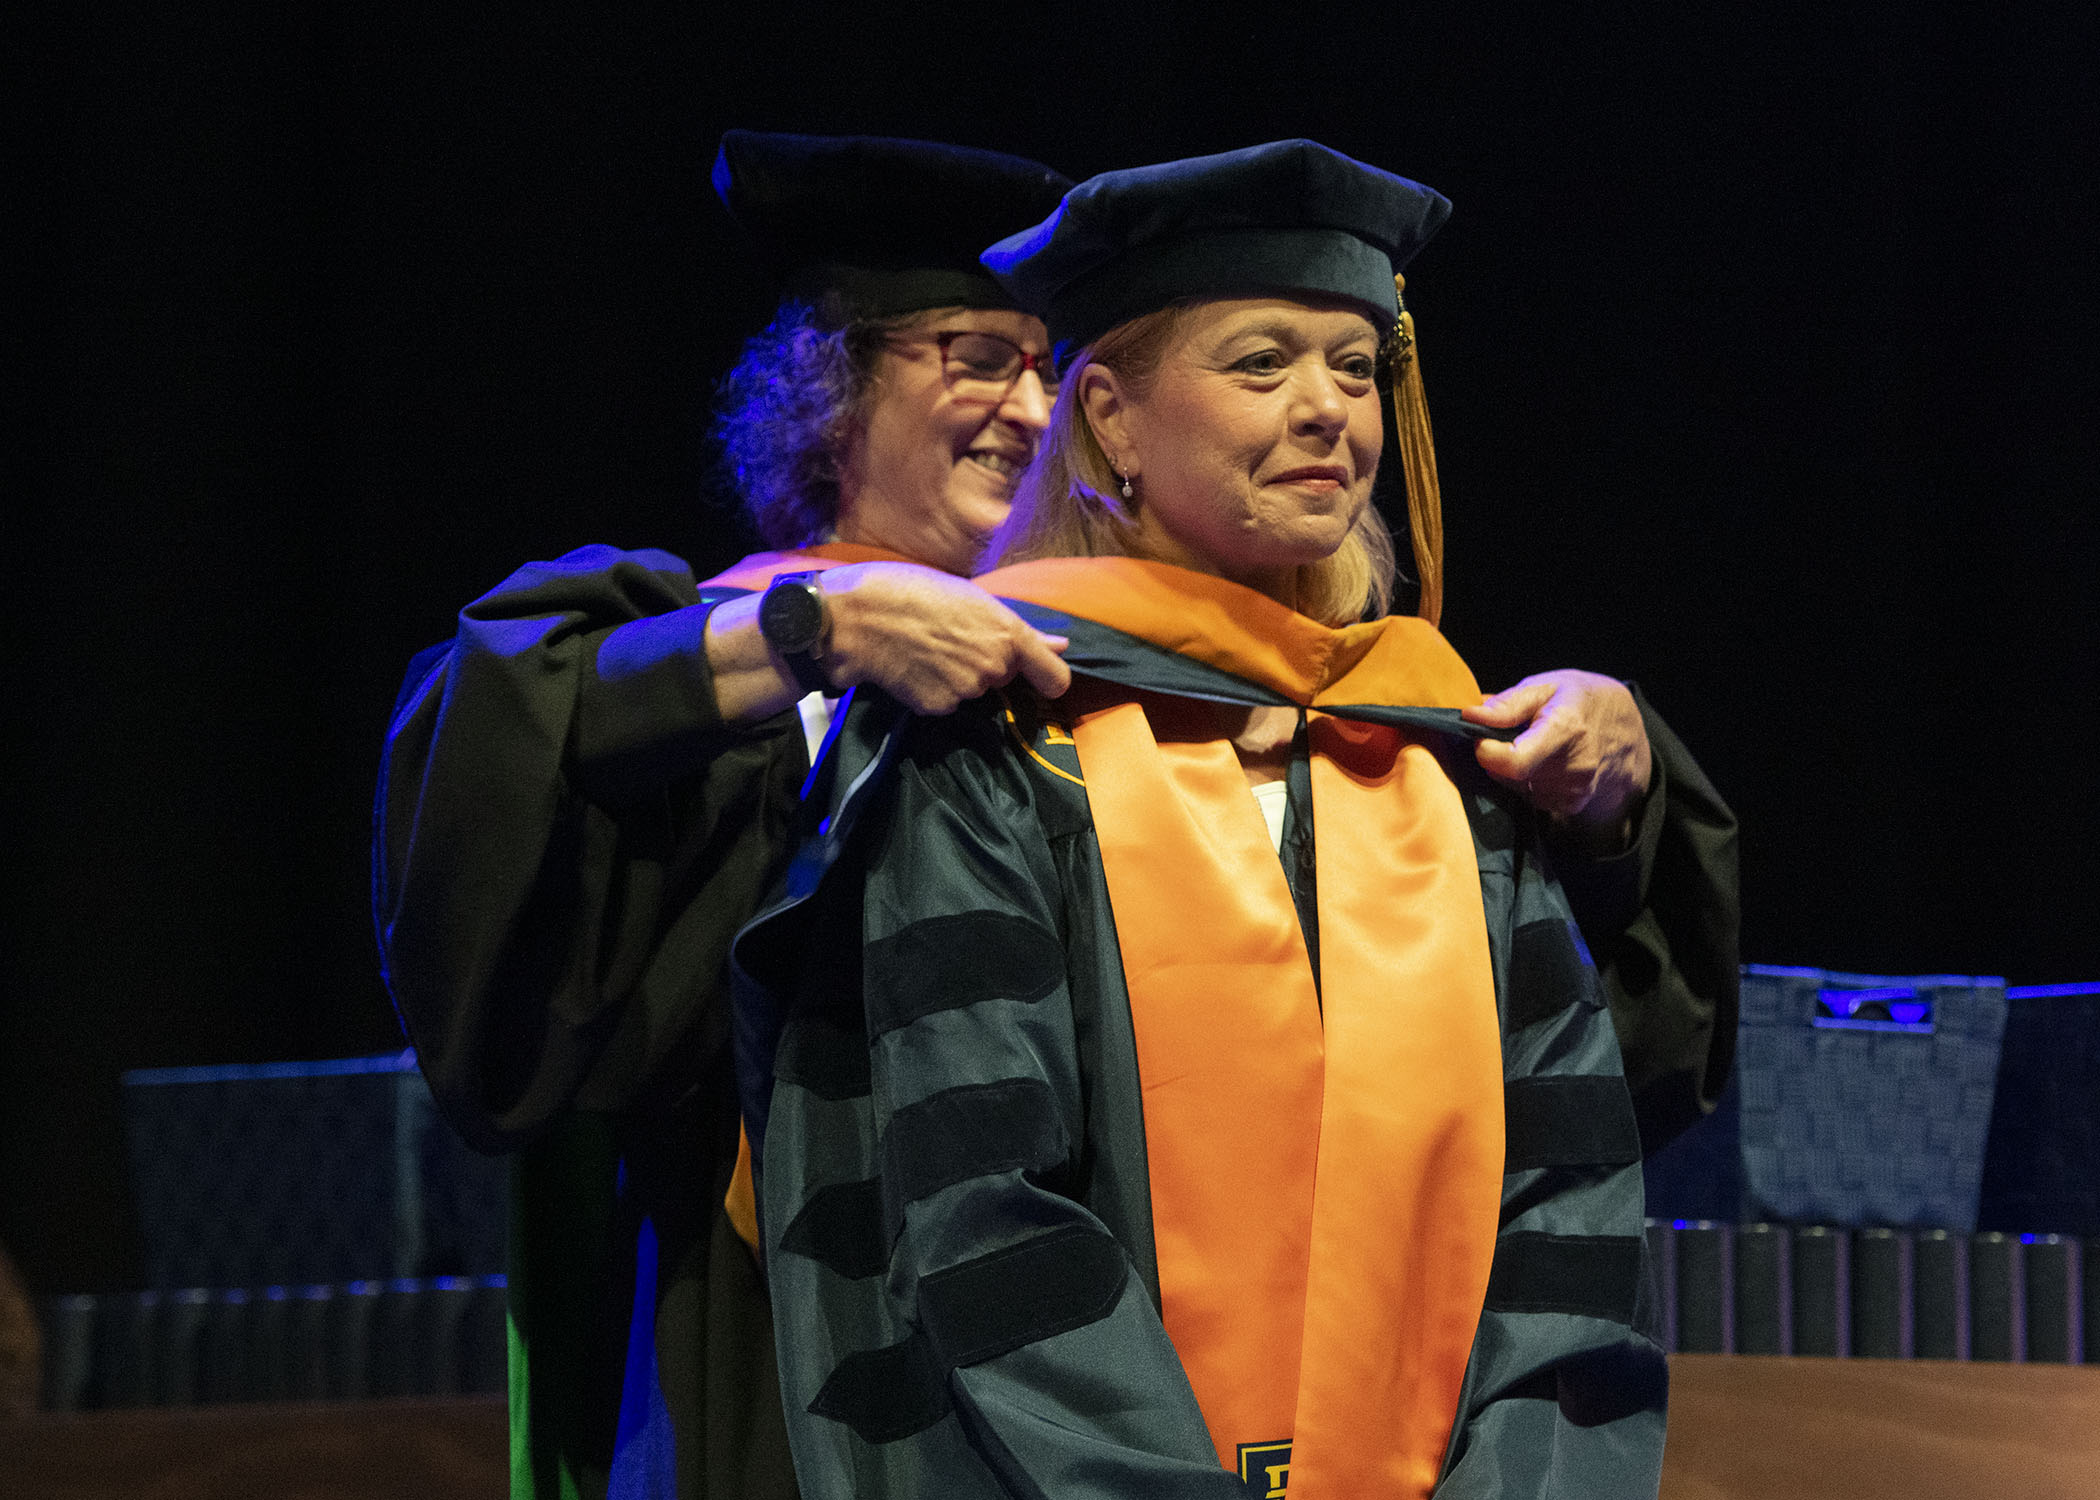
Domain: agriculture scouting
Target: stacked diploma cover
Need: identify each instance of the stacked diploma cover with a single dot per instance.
(311, 1231)
(1902, 1166)
(1857, 1100)
(286, 1173)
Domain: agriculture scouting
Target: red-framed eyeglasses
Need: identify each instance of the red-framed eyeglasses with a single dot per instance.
(985, 367)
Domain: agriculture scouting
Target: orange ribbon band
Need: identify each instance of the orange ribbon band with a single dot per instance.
(1325, 1162)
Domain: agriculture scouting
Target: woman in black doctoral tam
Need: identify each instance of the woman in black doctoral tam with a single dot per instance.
(587, 791)
(1201, 1081)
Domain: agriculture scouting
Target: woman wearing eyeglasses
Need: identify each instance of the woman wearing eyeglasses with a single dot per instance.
(1218, 1094)
(589, 789)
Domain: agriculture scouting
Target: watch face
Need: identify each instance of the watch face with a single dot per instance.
(791, 616)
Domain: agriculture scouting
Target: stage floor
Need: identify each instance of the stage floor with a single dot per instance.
(1741, 1426)
(1745, 1426)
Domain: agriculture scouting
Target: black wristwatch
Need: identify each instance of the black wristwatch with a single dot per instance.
(793, 620)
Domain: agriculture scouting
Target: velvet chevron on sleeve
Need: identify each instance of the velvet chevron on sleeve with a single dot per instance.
(1566, 1393)
(949, 1233)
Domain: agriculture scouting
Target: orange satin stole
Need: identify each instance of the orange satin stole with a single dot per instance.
(761, 568)
(1325, 1164)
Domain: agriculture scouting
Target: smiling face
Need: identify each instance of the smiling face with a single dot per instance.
(932, 471)
(1253, 444)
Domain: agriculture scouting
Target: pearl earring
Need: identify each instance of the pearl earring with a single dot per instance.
(1126, 483)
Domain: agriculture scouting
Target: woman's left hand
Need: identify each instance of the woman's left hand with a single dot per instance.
(1582, 758)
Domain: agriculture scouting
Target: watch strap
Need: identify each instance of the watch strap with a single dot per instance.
(808, 672)
(802, 663)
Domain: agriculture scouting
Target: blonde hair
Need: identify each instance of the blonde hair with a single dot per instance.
(1069, 501)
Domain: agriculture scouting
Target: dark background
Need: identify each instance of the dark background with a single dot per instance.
(1757, 350)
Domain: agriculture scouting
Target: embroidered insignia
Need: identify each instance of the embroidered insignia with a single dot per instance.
(1265, 1468)
(1053, 748)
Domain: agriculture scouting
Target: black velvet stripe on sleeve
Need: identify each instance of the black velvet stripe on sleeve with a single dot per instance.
(973, 1312)
(1547, 965)
(825, 1056)
(841, 1227)
(888, 1393)
(1600, 1385)
(973, 1130)
(1573, 1120)
(947, 962)
(1047, 1285)
(1597, 1276)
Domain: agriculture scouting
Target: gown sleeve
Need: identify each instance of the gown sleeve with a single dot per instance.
(1663, 923)
(566, 836)
(952, 1318)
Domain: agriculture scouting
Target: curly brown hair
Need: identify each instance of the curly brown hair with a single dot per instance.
(788, 410)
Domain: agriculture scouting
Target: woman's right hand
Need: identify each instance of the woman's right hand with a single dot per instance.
(929, 639)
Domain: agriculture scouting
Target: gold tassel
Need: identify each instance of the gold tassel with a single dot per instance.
(1425, 506)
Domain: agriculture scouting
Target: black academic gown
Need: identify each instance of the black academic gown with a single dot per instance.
(941, 1081)
(566, 837)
